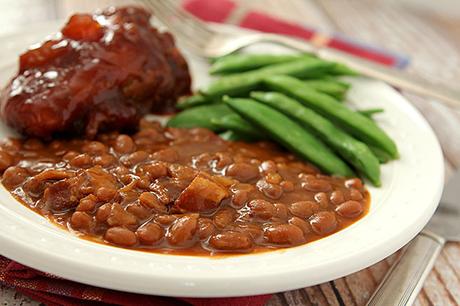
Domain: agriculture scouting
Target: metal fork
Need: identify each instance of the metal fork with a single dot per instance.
(208, 41)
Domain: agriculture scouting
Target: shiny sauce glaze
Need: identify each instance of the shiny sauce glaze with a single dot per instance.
(102, 71)
(180, 191)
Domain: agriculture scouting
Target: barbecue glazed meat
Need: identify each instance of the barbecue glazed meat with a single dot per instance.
(102, 71)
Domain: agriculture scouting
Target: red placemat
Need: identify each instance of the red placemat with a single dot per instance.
(53, 290)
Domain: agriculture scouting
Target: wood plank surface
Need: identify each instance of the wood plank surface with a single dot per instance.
(428, 31)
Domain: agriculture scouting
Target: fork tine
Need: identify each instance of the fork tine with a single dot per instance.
(178, 30)
(176, 25)
(176, 17)
(192, 42)
(196, 23)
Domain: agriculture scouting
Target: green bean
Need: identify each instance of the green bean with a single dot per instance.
(235, 136)
(382, 156)
(334, 89)
(341, 69)
(244, 82)
(353, 151)
(236, 123)
(200, 116)
(360, 126)
(191, 101)
(243, 62)
(291, 135)
(370, 112)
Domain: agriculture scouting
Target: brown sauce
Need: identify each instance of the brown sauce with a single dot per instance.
(180, 191)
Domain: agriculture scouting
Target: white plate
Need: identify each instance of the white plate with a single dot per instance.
(411, 189)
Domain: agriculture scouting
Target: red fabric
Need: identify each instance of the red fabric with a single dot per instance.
(343, 45)
(54, 291)
(264, 23)
(210, 10)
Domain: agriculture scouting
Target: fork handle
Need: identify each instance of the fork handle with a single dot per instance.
(391, 76)
(405, 278)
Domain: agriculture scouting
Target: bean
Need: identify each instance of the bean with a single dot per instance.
(281, 210)
(261, 209)
(104, 160)
(239, 198)
(271, 191)
(231, 241)
(315, 184)
(139, 211)
(183, 230)
(81, 221)
(360, 126)
(200, 116)
(103, 212)
(134, 158)
(234, 136)
(243, 62)
(244, 82)
(273, 178)
(354, 183)
(87, 203)
(300, 223)
(167, 155)
(349, 209)
(381, 155)
(192, 101)
(288, 186)
(236, 123)
(356, 195)
(290, 134)
(323, 222)
(252, 230)
(322, 199)
(70, 155)
(242, 171)
(303, 209)
(268, 166)
(6, 160)
(165, 219)
(155, 170)
(118, 216)
(370, 112)
(13, 176)
(81, 161)
(337, 197)
(205, 228)
(149, 234)
(94, 147)
(284, 234)
(106, 194)
(124, 144)
(354, 151)
(143, 182)
(334, 89)
(121, 236)
(224, 217)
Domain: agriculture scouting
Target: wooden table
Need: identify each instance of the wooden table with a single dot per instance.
(428, 31)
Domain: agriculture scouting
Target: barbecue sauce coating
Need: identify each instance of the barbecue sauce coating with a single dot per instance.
(101, 72)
